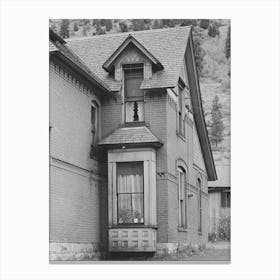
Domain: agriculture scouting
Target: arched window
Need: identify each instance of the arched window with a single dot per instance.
(182, 196)
(199, 185)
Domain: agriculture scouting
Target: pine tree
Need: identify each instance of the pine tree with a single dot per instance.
(204, 23)
(213, 30)
(108, 24)
(199, 52)
(157, 24)
(99, 30)
(76, 28)
(64, 29)
(227, 46)
(216, 125)
(138, 24)
(123, 26)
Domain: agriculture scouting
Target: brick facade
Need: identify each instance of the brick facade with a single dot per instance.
(79, 184)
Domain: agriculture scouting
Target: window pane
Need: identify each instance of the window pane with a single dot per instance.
(137, 208)
(130, 189)
(124, 209)
(133, 83)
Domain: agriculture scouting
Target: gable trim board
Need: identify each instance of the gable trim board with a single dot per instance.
(109, 63)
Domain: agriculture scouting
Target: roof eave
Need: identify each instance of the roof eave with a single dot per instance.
(130, 145)
(200, 123)
(80, 71)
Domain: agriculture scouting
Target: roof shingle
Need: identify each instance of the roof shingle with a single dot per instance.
(167, 45)
(130, 135)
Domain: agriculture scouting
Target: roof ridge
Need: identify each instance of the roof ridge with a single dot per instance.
(118, 34)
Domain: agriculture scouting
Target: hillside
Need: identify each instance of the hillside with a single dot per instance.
(213, 65)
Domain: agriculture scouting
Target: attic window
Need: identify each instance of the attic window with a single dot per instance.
(133, 94)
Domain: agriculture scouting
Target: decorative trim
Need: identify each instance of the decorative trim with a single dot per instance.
(75, 169)
(61, 72)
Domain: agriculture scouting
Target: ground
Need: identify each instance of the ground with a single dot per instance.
(214, 252)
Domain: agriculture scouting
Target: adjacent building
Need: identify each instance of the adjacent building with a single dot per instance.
(130, 157)
(219, 201)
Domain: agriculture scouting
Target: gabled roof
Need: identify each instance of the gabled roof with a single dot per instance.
(58, 47)
(166, 45)
(130, 40)
(131, 135)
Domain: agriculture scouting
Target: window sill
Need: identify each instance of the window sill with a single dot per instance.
(132, 226)
(182, 229)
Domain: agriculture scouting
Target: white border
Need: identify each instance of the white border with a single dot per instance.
(24, 138)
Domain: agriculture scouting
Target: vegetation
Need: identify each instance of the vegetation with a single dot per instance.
(223, 231)
(64, 29)
(216, 126)
(227, 46)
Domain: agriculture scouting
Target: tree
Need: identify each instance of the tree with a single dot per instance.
(53, 26)
(187, 22)
(76, 28)
(216, 124)
(138, 24)
(213, 30)
(99, 30)
(157, 24)
(204, 23)
(123, 26)
(64, 29)
(227, 46)
(199, 52)
(108, 24)
(168, 22)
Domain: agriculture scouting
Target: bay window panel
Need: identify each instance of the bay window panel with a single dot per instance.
(130, 192)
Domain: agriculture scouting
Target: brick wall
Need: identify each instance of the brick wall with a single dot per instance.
(75, 181)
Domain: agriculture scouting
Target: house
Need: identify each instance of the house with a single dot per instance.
(130, 157)
(219, 200)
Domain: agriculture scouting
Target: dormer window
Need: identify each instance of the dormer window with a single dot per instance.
(133, 94)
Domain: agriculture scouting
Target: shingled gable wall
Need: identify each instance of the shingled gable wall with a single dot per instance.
(75, 181)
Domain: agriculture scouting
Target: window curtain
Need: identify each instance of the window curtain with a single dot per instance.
(130, 193)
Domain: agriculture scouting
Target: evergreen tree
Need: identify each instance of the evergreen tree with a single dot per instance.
(168, 22)
(216, 125)
(157, 24)
(204, 23)
(227, 46)
(76, 28)
(199, 52)
(64, 29)
(99, 30)
(108, 24)
(53, 26)
(138, 24)
(213, 30)
(123, 26)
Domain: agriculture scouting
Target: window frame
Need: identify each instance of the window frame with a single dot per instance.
(131, 193)
(182, 221)
(227, 202)
(199, 202)
(181, 127)
(127, 69)
(94, 129)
